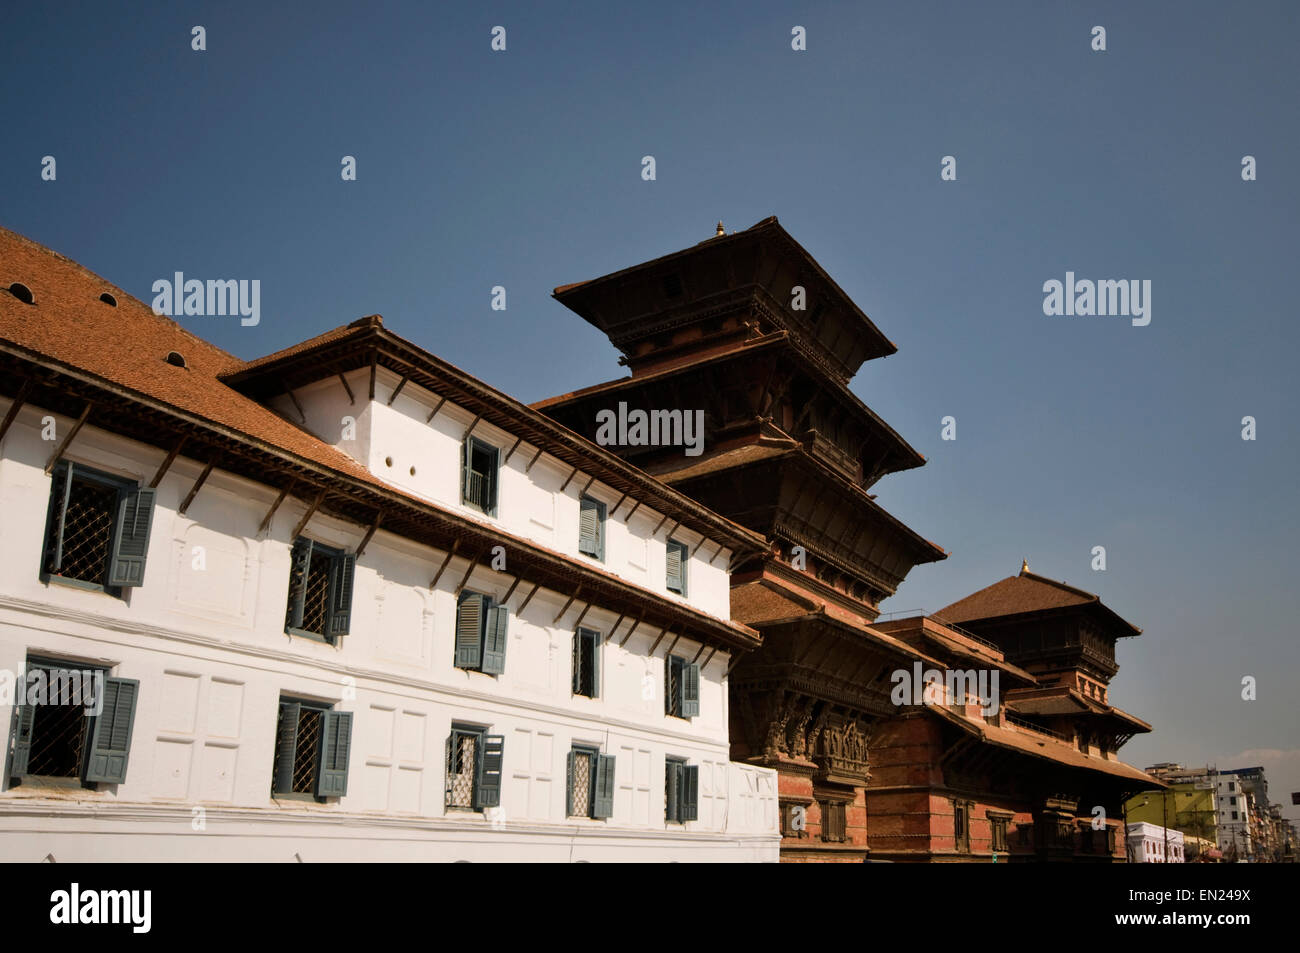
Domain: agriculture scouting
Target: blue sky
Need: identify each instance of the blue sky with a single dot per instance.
(522, 169)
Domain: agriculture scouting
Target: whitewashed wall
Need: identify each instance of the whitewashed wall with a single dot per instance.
(529, 504)
(212, 657)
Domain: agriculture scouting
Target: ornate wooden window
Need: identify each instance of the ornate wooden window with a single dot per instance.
(961, 825)
(998, 827)
(834, 821)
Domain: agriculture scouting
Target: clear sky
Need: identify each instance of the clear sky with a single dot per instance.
(522, 168)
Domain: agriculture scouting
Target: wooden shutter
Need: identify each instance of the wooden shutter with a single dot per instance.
(340, 617)
(469, 630)
(131, 538)
(110, 742)
(690, 792)
(597, 640)
(589, 518)
(24, 720)
(675, 568)
(335, 748)
(467, 458)
(672, 790)
(58, 517)
(299, 564)
(568, 784)
(494, 470)
(604, 785)
(689, 683)
(494, 639)
(577, 661)
(286, 744)
(487, 782)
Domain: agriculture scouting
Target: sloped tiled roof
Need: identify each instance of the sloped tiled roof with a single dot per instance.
(1026, 592)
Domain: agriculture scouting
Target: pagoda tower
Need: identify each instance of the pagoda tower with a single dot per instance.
(750, 329)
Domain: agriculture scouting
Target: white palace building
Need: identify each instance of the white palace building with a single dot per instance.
(344, 602)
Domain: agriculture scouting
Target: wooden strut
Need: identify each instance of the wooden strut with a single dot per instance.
(662, 633)
(636, 505)
(352, 398)
(527, 599)
(311, 510)
(166, 464)
(472, 424)
(583, 491)
(67, 438)
(614, 509)
(581, 615)
(15, 406)
(446, 559)
(657, 528)
(198, 485)
(567, 604)
(708, 658)
(379, 518)
(717, 554)
(266, 520)
(537, 456)
(697, 548)
(672, 645)
(473, 563)
(511, 591)
(398, 389)
(614, 628)
(676, 527)
(513, 448)
(734, 662)
(571, 476)
(436, 407)
(302, 415)
(629, 633)
(374, 369)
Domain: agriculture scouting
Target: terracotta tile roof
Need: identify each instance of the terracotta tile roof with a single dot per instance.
(1027, 592)
(756, 602)
(126, 346)
(1042, 746)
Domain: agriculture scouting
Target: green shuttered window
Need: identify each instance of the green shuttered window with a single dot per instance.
(321, 580)
(681, 791)
(482, 625)
(313, 744)
(97, 529)
(591, 527)
(678, 555)
(74, 726)
(590, 783)
(586, 663)
(475, 764)
(479, 475)
(681, 687)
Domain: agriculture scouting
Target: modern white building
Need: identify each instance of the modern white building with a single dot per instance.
(1153, 844)
(346, 602)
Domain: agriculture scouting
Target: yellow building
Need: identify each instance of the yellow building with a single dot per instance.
(1182, 806)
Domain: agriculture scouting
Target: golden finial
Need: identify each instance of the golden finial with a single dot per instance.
(1024, 566)
(721, 231)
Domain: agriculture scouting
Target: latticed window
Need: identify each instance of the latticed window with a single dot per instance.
(590, 783)
(834, 822)
(586, 663)
(961, 825)
(320, 590)
(479, 469)
(312, 747)
(97, 530)
(475, 760)
(56, 732)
